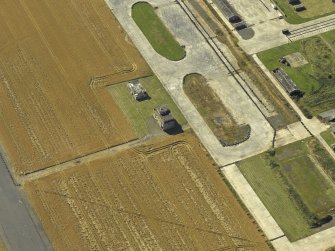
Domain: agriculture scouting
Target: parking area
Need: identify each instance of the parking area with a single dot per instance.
(254, 11)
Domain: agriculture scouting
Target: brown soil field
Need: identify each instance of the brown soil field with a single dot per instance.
(53, 56)
(164, 195)
(2, 246)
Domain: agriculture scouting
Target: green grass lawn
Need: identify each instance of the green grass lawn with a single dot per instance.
(138, 113)
(318, 195)
(314, 9)
(156, 32)
(328, 137)
(290, 185)
(275, 197)
(315, 79)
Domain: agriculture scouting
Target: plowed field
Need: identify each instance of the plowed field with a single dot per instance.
(53, 57)
(161, 196)
(2, 247)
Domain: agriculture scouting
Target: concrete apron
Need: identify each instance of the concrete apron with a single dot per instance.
(200, 58)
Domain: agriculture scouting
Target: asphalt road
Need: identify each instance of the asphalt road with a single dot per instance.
(19, 228)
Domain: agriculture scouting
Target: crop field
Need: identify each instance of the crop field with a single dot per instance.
(291, 186)
(164, 195)
(139, 113)
(314, 9)
(315, 79)
(53, 59)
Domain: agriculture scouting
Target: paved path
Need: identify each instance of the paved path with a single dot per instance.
(252, 202)
(87, 158)
(18, 227)
(201, 58)
(292, 133)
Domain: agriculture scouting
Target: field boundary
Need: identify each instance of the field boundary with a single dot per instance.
(78, 160)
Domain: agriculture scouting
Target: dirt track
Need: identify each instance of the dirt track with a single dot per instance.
(51, 55)
(164, 195)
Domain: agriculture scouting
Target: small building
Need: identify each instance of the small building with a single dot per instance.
(293, 2)
(299, 7)
(228, 11)
(287, 82)
(137, 90)
(286, 31)
(328, 116)
(240, 25)
(164, 118)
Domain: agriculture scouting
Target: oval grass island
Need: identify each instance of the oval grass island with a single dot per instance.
(216, 115)
(158, 35)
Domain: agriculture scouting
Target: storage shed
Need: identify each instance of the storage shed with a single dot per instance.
(287, 82)
(164, 118)
(228, 11)
(328, 116)
(299, 7)
(137, 91)
(293, 2)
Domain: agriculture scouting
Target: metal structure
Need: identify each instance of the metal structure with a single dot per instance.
(137, 90)
(328, 116)
(293, 2)
(286, 82)
(164, 118)
(299, 7)
(228, 11)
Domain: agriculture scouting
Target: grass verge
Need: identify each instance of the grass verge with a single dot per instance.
(314, 9)
(315, 79)
(290, 185)
(138, 113)
(213, 111)
(328, 137)
(156, 32)
(323, 157)
(275, 197)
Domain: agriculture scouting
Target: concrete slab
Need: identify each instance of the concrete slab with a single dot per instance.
(267, 25)
(316, 242)
(267, 35)
(292, 133)
(254, 11)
